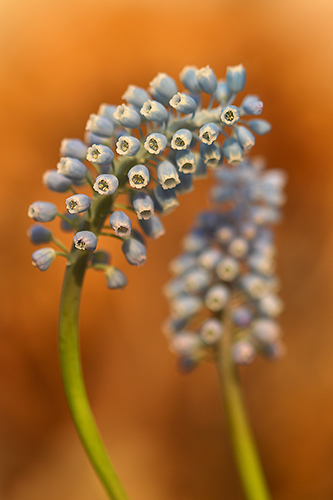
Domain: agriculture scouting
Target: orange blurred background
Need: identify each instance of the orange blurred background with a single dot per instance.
(165, 432)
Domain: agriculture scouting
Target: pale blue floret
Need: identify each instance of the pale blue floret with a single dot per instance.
(251, 105)
(230, 115)
(217, 297)
(166, 200)
(100, 125)
(152, 227)
(128, 117)
(100, 154)
(42, 211)
(183, 103)
(115, 278)
(185, 161)
(107, 110)
(259, 126)
(243, 352)
(134, 251)
(106, 184)
(181, 139)
(210, 155)
(138, 176)
(127, 145)
(163, 87)
(236, 77)
(227, 269)
(120, 223)
(78, 203)
(232, 151)
(207, 80)
(85, 240)
(167, 175)
(222, 93)
(185, 306)
(211, 331)
(143, 206)
(245, 137)
(154, 111)
(155, 143)
(209, 258)
(54, 181)
(197, 280)
(135, 96)
(72, 168)
(186, 183)
(266, 330)
(209, 133)
(189, 79)
(39, 234)
(73, 148)
(43, 258)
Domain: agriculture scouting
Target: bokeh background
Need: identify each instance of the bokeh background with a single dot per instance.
(165, 431)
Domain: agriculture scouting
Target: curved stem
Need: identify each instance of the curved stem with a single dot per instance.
(73, 380)
(242, 441)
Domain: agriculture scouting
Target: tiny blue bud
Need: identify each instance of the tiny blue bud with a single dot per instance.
(135, 96)
(236, 76)
(155, 143)
(227, 269)
(107, 111)
(209, 133)
(154, 111)
(66, 226)
(209, 258)
(185, 161)
(222, 93)
(143, 206)
(230, 115)
(242, 316)
(72, 168)
(251, 105)
(128, 117)
(167, 175)
(181, 139)
(266, 330)
(73, 148)
(100, 125)
(43, 258)
(39, 234)
(54, 181)
(138, 176)
(134, 251)
(152, 227)
(166, 199)
(100, 154)
(189, 79)
(207, 80)
(232, 151)
(120, 223)
(85, 240)
(128, 145)
(100, 257)
(106, 184)
(183, 103)
(115, 278)
(259, 126)
(245, 138)
(42, 211)
(78, 203)
(210, 155)
(163, 86)
(186, 183)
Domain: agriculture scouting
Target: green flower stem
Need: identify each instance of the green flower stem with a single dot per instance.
(73, 380)
(242, 441)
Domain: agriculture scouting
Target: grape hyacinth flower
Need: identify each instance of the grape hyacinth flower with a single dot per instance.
(225, 285)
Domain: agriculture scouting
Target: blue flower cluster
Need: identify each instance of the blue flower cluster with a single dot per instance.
(146, 151)
(226, 272)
